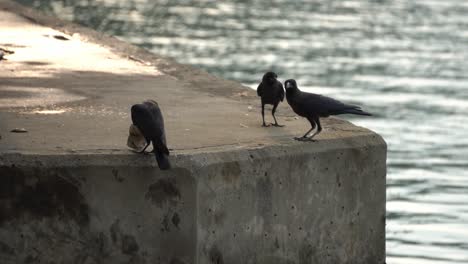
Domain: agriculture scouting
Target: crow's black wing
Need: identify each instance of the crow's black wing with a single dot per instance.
(161, 151)
(326, 106)
(280, 90)
(158, 120)
(143, 119)
(319, 105)
(159, 136)
(335, 107)
(260, 89)
(330, 106)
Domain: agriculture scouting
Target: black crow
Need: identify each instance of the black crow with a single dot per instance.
(149, 120)
(313, 106)
(271, 91)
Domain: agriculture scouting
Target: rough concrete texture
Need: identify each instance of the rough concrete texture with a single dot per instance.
(71, 191)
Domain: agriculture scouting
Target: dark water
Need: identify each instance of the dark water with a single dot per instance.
(406, 61)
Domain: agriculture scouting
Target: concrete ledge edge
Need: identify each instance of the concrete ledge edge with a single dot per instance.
(195, 158)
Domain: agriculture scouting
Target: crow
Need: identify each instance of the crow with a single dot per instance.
(313, 106)
(271, 92)
(149, 120)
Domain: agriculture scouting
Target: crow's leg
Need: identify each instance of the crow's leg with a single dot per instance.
(273, 114)
(263, 115)
(147, 144)
(304, 137)
(319, 127)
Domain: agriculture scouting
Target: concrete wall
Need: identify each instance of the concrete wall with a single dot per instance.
(321, 202)
(309, 204)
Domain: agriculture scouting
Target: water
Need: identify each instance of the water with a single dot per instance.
(406, 61)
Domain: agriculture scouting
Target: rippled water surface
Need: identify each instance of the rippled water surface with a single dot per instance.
(406, 61)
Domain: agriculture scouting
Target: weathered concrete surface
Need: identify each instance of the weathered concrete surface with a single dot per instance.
(279, 204)
(71, 192)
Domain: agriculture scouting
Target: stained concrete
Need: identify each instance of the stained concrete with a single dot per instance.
(71, 191)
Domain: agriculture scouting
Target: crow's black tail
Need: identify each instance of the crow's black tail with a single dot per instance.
(356, 111)
(163, 160)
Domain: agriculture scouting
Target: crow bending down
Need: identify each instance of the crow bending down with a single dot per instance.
(149, 120)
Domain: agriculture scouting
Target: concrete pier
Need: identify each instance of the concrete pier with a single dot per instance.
(72, 192)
